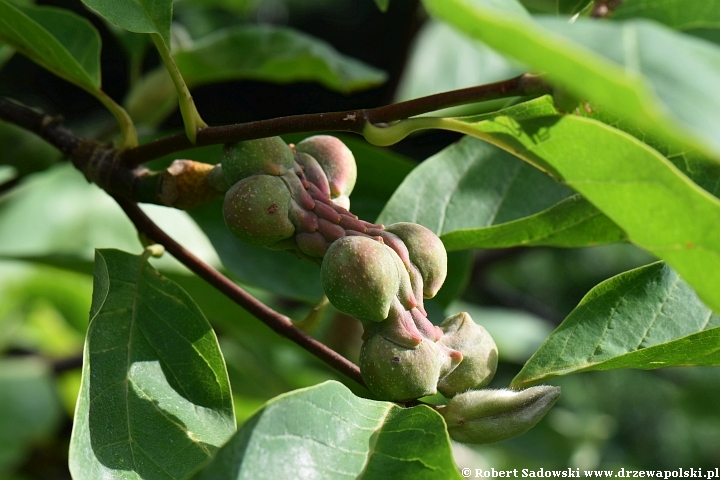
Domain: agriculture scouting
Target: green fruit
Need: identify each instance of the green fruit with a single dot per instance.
(486, 416)
(336, 160)
(256, 210)
(427, 253)
(397, 373)
(360, 278)
(480, 355)
(270, 156)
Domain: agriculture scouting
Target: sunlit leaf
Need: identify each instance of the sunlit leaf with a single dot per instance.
(326, 432)
(620, 65)
(155, 399)
(657, 206)
(645, 318)
(474, 195)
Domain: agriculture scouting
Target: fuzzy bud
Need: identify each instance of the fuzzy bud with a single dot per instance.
(360, 277)
(480, 355)
(486, 416)
(256, 210)
(336, 160)
(270, 156)
(427, 253)
(397, 373)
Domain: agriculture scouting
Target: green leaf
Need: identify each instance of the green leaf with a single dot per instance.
(702, 170)
(572, 222)
(622, 66)
(251, 52)
(474, 195)
(677, 14)
(646, 318)
(471, 184)
(30, 408)
(382, 5)
(325, 432)
(658, 207)
(148, 16)
(442, 60)
(56, 39)
(155, 399)
(274, 54)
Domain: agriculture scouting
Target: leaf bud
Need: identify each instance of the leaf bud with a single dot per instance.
(480, 355)
(256, 210)
(270, 156)
(336, 160)
(397, 373)
(360, 278)
(427, 253)
(486, 416)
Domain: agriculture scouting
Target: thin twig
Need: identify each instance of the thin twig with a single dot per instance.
(69, 363)
(48, 127)
(276, 321)
(349, 121)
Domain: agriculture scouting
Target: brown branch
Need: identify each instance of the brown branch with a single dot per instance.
(349, 121)
(279, 323)
(47, 127)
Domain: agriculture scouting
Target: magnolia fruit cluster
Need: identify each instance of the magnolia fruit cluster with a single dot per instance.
(297, 197)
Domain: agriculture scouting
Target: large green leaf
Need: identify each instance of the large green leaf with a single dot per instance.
(474, 195)
(147, 16)
(620, 65)
(659, 208)
(645, 318)
(274, 54)
(701, 169)
(56, 39)
(678, 14)
(326, 432)
(250, 52)
(573, 222)
(30, 408)
(155, 399)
